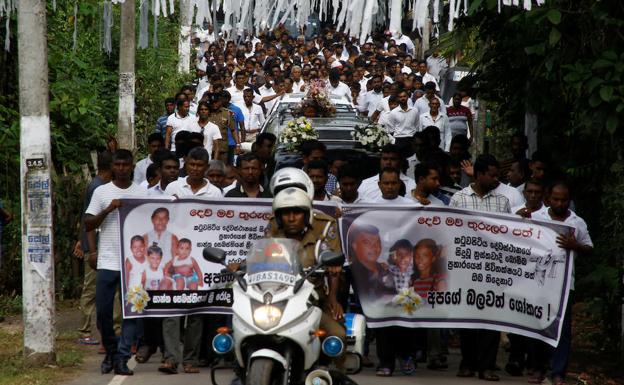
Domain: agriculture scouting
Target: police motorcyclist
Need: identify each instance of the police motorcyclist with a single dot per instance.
(294, 218)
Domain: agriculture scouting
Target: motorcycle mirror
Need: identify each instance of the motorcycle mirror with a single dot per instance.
(332, 258)
(214, 255)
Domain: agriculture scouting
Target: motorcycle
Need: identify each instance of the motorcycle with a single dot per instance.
(275, 335)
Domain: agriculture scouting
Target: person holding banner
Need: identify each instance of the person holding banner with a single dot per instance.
(390, 186)
(580, 241)
(194, 185)
(427, 176)
(479, 347)
(390, 157)
(106, 201)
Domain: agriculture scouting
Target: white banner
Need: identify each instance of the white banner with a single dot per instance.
(162, 240)
(452, 268)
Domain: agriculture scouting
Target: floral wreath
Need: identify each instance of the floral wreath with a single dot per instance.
(372, 136)
(318, 98)
(296, 132)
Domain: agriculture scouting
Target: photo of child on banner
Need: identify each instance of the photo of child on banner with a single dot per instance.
(451, 268)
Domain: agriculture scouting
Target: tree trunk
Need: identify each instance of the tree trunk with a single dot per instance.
(184, 44)
(127, 48)
(36, 215)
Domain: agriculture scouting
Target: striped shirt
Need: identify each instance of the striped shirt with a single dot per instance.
(492, 201)
(422, 286)
(108, 242)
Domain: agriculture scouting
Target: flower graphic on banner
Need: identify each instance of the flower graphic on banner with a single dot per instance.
(372, 136)
(408, 299)
(138, 298)
(296, 132)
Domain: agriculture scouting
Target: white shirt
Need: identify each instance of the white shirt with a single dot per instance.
(140, 170)
(440, 121)
(237, 95)
(580, 229)
(384, 121)
(177, 124)
(268, 92)
(404, 122)
(370, 101)
(155, 191)
(427, 77)
(399, 200)
(422, 104)
(254, 116)
(297, 85)
(383, 105)
(181, 188)
(412, 161)
(341, 90)
(369, 189)
(210, 131)
(434, 201)
(435, 65)
(514, 196)
(108, 240)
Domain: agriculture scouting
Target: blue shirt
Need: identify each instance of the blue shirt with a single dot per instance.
(238, 118)
(161, 125)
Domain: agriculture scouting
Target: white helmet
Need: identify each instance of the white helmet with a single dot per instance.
(291, 177)
(292, 198)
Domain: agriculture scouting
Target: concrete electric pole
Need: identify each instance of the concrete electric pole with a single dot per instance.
(127, 48)
(36, 189)
(184, 43)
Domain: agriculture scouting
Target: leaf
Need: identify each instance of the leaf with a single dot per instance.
(593, 83)
(554, 16)
(606, 92)
(474, 6)
(610, 55)
(612, 123)
(554, 37)
(601, 63)
(594, 100)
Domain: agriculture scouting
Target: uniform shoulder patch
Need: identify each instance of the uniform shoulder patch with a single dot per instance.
(332, 233)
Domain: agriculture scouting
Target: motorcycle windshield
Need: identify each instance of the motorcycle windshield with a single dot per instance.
(273, 260)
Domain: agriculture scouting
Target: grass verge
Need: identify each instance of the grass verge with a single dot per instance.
(14, 371)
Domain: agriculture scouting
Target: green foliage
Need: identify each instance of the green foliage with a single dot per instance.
(10, 304)
(564, 62)
(83, 114)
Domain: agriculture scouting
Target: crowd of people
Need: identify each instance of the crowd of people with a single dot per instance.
(208, 144)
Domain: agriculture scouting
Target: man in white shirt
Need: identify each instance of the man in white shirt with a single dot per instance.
(404, 121)
(102, 214)
(298, 82)
(422, 103)
(177, 122)
(437, 118)
(194, 184)
(254, 116)
(390, 157)
(580, 242)
(390, 185)
(534, 195)
(169, 172)
(337, 88)
(436, 64)
(155, 141)
(372, 97)
(236, 91)
(210, 131)
(426, 76)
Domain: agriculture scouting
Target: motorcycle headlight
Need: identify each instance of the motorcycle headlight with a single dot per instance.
(267, 316)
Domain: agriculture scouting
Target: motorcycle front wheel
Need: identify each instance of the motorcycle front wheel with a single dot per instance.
(260, 372)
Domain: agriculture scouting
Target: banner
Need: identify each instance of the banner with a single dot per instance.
(452, 268)
(163, 271)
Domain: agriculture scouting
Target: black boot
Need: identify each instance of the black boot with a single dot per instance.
(107, 364)
(121, 368)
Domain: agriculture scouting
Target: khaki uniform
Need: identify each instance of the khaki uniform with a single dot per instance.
(322, 236)
(223, 119)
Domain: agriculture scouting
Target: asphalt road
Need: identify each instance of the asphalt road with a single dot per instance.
(147, 374)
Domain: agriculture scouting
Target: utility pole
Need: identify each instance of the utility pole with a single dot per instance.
(127, 48)
(184, 44)
(36, 203)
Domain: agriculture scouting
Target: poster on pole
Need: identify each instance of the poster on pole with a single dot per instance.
(163, 271)
(453, 268)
